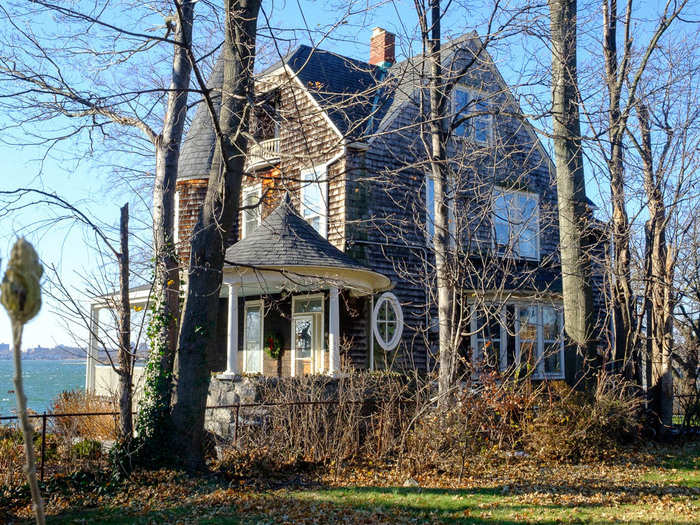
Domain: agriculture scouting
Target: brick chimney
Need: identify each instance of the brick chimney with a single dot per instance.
(381, 48)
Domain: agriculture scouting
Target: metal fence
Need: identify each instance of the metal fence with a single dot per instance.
(239, 416)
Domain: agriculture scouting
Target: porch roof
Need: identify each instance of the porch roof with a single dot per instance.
(287, 246)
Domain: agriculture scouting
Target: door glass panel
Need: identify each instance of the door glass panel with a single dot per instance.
(303, 338)
(253, 346)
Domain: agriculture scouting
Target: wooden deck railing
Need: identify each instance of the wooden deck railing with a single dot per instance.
(263, 152)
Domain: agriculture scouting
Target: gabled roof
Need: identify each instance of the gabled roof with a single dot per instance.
(343, 87)
(286, 242)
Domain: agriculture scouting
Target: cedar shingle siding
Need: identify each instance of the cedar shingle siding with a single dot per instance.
(366, 121)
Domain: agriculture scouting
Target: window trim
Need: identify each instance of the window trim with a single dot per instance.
(259, 303)
(254, 189)
(515, 253)
(472, 94)
(539, 372)
(320, 174)
(393, 301)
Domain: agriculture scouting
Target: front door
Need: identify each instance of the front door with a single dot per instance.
(253, 362)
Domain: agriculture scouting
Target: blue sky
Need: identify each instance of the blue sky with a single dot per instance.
(90, 185)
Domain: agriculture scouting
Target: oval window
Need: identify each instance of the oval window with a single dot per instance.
(387, 321)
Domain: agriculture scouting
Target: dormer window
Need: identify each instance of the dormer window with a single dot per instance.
(516, 223)
(314, 198)
(470, 118)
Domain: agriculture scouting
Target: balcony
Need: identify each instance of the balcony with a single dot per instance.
(262, 153)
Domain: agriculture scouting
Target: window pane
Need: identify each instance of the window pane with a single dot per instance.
(253, 323)
(489, 353)
(500, 219)
(313, 205)
(251, 215)
(390, 330)
(552, 358)
(311, 305)
(461, 109)
(253, 346)
(528, 353)
(551, 329)
(528, 323)
(527, 245)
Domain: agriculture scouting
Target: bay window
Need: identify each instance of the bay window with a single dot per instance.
(525, 335)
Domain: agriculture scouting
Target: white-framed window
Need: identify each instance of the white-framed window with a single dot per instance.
(387, 321)
(469, 101)
(314, 198)
(253, 324)
(252, 216)
(430, 206)
(534, 331)
(516, 223)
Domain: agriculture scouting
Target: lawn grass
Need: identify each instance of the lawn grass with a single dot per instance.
(519, 492)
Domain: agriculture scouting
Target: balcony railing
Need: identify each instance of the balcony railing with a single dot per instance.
(263, 153)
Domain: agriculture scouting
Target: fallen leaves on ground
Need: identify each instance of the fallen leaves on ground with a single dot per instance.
(514, 489)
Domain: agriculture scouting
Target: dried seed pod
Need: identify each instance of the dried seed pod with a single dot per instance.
(20, 291)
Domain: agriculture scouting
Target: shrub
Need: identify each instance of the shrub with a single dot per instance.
(478, 421)
(578, 426)
(87, 449)
(367, 421)
(93, 427)
(11, 456)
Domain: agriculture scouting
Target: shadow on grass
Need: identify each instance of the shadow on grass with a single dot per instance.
(368, 504)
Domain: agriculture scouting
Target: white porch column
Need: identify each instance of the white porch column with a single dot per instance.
(92, 350)
(232, 339)
(334, 333)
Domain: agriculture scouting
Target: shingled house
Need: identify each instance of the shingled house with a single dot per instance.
(331, 257)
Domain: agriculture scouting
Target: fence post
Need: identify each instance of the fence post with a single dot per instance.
(43, 444)
(235, 428)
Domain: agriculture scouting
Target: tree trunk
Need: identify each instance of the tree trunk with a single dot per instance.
(659, 276)
(216, 219)
(436, 150)
(622, 296)
(571, 190)
(126, 357)
(155, 406)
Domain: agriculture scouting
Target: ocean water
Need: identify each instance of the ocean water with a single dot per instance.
(43, 381)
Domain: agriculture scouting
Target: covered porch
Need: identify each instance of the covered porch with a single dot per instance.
(285, 288)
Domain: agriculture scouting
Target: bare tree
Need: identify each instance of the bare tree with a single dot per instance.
(215, 221)
(571, 190)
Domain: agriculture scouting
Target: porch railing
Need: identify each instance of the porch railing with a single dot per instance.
(263, 152)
